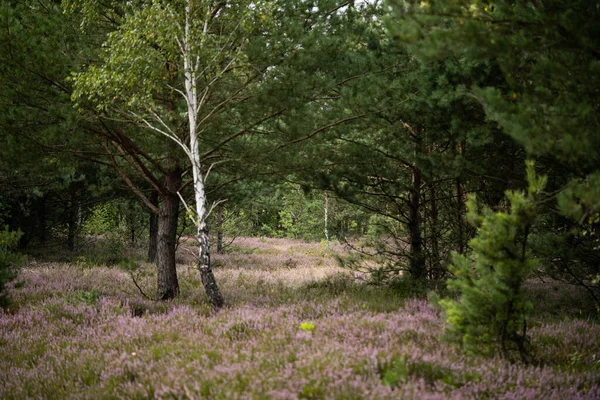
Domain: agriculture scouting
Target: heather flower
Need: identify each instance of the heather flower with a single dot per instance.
(56, 343)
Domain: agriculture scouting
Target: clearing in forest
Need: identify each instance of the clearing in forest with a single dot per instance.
(294, 326)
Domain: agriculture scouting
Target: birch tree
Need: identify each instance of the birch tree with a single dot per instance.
(177, 69)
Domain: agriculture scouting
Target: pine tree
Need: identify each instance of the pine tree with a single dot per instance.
(547, 63)
(491, 311)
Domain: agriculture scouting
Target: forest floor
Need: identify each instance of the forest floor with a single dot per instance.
(295, 325)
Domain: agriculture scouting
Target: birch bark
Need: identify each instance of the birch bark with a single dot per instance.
(191, 96)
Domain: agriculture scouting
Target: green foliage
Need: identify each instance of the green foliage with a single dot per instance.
(355, 294)
(110, 252)
(407, 286)
(491, 311)
(239, 331)
(287, 210)
(301, 215)
(399, 370)
(43, 184)
(545, 60)
(103, 218)
(395, 373)
(312, 390)
(581, 200)
(9, 261)
(118, 221)
(89, 297)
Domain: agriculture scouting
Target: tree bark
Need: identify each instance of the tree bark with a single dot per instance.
(326, 216)
(167, 283)
(206, 274)
(257, 222)
(131, 221)
(42, 230)
(436, 270)
(153, 228)
(416, 259)
(460, 205)
(220, 229)
(72, 221)
(191, 95)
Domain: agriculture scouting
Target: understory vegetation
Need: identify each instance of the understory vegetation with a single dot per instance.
(306, 329)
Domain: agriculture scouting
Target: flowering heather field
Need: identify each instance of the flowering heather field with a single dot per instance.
(295, 326)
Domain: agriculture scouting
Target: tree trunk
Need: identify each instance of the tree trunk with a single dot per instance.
(131, 221)
(220, 229)
(436, 270)
(206, 275)
(167, 284)
(72, 222)
(326, 217)
(42, 230)
(417, 260)
(257, 222)
(190, 77)
(153, 229)
(460, 206)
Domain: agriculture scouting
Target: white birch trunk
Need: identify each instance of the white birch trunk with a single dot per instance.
(326, 207)
(191, 92)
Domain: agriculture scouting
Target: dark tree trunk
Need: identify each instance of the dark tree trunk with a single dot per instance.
(436, 270)
(167, 284)
(153, 229)
(220, 229)
(257, 223)
(42, 229)
(131, 217)
(460, 206)
(72, 223)
(417, 259)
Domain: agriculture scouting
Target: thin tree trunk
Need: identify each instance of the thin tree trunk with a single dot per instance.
(257, 223)
(71, 232)
(167, 283)
(460, 206)
(131, 221)
(436, 272)
(42, 230)
(417, 260)
(206, 274)
(191, 95)
(326, 209)
(220, 229)
(153, 228)
(72, 221)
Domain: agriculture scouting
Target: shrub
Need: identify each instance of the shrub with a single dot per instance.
(397, 371)
(491, 310)
(9, 261)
